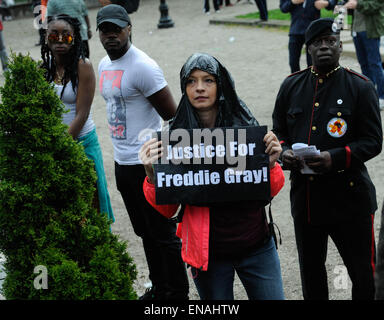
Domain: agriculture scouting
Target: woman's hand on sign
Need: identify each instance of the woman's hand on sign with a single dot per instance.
(273, 148)
(150, 153)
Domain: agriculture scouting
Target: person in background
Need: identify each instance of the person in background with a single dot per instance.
(367, 28)
(6, 12)
(72, 73)
(302, 12)
(129, 5)
(3, 50)
(137, 96)
(225, 237)
(263, 9)
(227, 3)
(336, 110)
(215, 6)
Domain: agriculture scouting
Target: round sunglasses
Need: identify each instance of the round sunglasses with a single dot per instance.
(57, 37)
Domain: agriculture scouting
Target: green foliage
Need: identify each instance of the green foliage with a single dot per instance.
(47, 186)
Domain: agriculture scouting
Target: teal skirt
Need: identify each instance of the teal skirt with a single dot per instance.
(92, 149)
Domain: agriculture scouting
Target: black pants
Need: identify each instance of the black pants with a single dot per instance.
(215, 5)
(356, 245)
(262, 6)
(161, 245)
(295, 45)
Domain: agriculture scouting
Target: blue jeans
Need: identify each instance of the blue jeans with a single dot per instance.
(259, 272)
(368, 55)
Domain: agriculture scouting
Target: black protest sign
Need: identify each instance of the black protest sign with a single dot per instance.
(203, 166)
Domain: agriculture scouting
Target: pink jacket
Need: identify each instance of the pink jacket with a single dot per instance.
(194, 230)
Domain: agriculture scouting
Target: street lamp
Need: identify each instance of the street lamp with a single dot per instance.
(165, 21)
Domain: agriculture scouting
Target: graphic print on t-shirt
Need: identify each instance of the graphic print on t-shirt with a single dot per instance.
(110, 88)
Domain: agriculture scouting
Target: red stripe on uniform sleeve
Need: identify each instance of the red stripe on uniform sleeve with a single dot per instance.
(348, 157)
(373, 246)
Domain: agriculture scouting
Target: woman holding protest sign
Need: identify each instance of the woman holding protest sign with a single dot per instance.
(222, 237)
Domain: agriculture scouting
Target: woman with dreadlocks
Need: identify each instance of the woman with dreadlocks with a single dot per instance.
(74, 80)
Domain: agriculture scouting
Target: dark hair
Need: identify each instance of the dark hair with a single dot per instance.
(76, 52)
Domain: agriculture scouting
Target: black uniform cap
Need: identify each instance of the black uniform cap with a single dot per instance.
(318, 27)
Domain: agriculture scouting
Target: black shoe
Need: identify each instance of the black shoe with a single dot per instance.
(148, 295)
(153, 294)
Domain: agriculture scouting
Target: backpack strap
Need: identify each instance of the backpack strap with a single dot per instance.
(272, 225)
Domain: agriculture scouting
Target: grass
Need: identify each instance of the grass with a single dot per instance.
(23, 1)
(276, 14)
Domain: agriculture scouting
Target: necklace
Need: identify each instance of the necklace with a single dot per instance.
(60, 77)
(326, 75)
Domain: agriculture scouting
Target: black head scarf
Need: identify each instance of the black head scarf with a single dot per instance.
(232, 111)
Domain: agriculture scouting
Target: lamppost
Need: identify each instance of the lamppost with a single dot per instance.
(165, 21)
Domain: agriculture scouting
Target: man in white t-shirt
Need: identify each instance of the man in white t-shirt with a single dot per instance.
(137, 97)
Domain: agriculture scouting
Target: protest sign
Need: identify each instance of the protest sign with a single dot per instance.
(202, 166)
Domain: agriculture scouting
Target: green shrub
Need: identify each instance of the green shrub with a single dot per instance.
(46, 190)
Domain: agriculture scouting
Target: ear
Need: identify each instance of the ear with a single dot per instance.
(129, 29)
(341, 47)
(309, 50)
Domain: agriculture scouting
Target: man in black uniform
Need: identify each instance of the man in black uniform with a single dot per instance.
(337, 110)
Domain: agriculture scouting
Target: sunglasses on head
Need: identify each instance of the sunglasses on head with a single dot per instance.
(65, 38)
